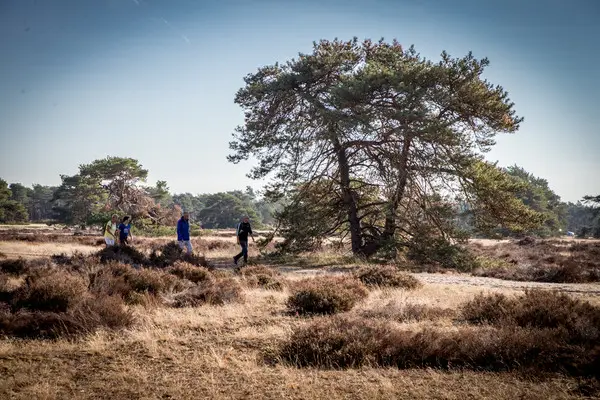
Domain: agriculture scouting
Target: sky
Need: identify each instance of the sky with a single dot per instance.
(155, 79)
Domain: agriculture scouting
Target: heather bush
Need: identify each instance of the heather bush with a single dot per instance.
(345, 342)
(577, 320)
(328, 295)
(53, 291)
(91, 314)
(14, 266)
(260, 276)
(133, 285)
(171, 253)
(215, 292)
(335, 342)
(6, 290)
(387, 276)
(190, 272)
(122, 254)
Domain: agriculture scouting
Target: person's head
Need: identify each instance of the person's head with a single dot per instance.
(125, 219)
(114, 218)
(245, 218)
(186, 215)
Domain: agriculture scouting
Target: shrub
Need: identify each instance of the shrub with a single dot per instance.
(55, 291)
(261, 276)
(107, 312)
(486, 308)
(88, 316)
(387, 276)
(343, 342)
(328, 295)
(335, 342)
(122, 254)
(431, 250)
(578, 320)
(36, 324)
(171, 253)
(127, 283)
(190, 272)
(265, 282)
(216, 292)
(146, 280)
(6, 291)
(14, 266)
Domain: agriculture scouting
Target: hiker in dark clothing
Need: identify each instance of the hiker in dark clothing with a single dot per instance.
(243, 230)
(125, 231)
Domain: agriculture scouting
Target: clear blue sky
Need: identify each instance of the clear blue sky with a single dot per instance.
(155, 79)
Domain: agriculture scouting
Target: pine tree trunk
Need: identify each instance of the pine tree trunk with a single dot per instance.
(348, 197)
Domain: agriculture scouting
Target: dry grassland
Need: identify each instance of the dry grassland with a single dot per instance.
(226, 351)
(215, 352)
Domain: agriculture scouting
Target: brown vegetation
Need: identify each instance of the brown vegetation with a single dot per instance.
(185, 270)
(540, 261)
(387, 276)
(218, 291)
(328, 295)
(528, 337)
(262, 276)
(408, 312)
(215, 351)
(13, 266)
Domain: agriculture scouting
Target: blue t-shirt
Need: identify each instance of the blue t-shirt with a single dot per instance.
(124, 231)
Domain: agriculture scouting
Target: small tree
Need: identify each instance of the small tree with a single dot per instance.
(108, 185)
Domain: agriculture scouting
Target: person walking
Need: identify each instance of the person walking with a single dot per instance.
(125, 231)
(242, 231)
(183, 232)
(110, 231)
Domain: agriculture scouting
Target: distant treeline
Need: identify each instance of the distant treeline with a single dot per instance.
(117, 185)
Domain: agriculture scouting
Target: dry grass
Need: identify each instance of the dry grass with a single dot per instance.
(217, 351)
(14, 249)
(540, 260)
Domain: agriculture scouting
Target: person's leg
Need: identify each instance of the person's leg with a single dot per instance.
(188, 245)
(181, 244)
(239, 255)
(109, 242)
(245, 250)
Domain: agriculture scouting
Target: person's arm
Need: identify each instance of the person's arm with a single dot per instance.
(179, 230)
(237, 233)
(250, 232)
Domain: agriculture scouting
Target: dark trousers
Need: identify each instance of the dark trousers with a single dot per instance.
(244, 252)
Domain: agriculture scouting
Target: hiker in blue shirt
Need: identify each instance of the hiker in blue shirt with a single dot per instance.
(183, 232)
(125, 231)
